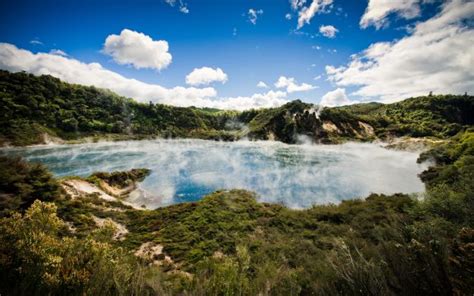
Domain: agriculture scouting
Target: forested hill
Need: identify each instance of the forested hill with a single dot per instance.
(35, 108)
(34, 105)
(430, 116)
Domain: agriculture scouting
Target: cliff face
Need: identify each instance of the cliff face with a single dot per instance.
(296, 119)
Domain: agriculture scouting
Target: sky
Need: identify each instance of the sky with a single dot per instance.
(242, 54)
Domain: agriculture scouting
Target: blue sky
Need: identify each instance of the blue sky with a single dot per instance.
(220, 34)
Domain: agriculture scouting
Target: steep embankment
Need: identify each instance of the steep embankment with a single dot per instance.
(292, 121)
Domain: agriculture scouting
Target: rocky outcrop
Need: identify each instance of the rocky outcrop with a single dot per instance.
(111, 187)
(295, 119)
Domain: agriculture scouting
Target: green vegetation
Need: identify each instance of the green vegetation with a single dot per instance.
(436, 116)
(37, 109)
(432, 116)
(121, 179)
(22, 183)
(39, 257)
(230, 244)
(33, 106)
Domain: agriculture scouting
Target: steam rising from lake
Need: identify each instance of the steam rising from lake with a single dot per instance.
(295, 175)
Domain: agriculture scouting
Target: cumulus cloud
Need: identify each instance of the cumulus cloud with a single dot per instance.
(259, 100)
(253, 15)
(262, 84)
(291, 85)
(93, 74)
(378, 10)
(434, 57)
(137, 49)
(306, 13)
(328, 31)
(334, 98)
(205, 76)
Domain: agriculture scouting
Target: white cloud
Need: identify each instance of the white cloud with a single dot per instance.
(334, 98)
(328, 31)
(262, 84)
(137, 49)
(291, 85)
(93, 74)
(306, 13)
(288, 16)
(253, 15)
(36, 42)
(434, 57)
(260, 100)
(205, 76)
(297, 4)
(183, 7)
(317, 77)
(331, 70)
(377, 11)
(58, 52)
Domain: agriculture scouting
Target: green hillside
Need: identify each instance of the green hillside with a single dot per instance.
(33, 106)
(431, 116)
(36, 108)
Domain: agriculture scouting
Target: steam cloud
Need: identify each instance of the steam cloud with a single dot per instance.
(295, 175)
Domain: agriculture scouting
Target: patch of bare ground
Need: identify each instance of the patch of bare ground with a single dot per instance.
(49, 139)
(330, 127)
(120, 230)
(153, 254)
(412, 144)
(78, 188)
(115, 191)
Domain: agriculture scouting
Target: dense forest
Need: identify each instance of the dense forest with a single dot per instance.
(36, 109)
(33, 106)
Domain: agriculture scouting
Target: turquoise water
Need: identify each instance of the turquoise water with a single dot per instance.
(295, 175)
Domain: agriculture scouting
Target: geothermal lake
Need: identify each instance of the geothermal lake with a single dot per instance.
(295, 175)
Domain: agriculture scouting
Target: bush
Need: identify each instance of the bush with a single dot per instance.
(21, 183)
(36, 258)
